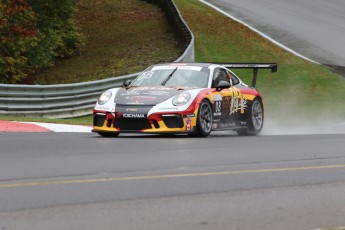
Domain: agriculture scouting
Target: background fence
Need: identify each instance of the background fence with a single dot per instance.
(78, 99)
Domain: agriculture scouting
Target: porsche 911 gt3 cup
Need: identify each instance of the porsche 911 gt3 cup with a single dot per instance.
(191, 98)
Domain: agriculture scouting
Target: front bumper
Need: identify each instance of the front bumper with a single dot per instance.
(155, 123)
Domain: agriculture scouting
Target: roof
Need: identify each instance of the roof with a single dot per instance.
(185, 64)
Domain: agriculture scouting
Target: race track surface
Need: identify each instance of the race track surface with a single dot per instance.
(80, 180)
(313, 28)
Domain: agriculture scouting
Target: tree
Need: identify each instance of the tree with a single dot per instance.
(33, 35)
(18, 35)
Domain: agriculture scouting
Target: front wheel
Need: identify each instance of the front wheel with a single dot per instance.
(255, 119)
(204, 119)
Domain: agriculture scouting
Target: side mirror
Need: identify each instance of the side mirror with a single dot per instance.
(127, 83)
(223, 85)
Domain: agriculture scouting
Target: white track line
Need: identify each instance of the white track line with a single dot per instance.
(257, 31)
(63, 128)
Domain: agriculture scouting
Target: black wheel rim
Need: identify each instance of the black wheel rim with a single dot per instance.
(205, 118)
(257, 115)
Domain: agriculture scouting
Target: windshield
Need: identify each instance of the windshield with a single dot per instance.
(182, 76)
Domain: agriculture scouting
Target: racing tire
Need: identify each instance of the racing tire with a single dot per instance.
(204, 119)
(108, 134)
(255, 119)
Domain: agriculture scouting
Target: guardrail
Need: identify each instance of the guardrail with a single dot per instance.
(78, 99)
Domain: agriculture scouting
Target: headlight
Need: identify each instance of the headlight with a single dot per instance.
(104, 97)
(181, 99)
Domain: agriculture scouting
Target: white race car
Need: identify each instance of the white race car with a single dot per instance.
(191, 98)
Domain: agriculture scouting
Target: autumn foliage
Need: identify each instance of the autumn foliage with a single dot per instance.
(34, 34)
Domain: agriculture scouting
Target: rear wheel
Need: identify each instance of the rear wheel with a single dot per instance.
(204, 119)
(255, 119)
(108, 134)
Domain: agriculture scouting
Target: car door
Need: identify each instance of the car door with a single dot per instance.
(238, 102)
(228, 103)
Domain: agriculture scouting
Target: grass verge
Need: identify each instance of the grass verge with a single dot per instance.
(121, 37)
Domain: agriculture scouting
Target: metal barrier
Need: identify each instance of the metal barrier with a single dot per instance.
(78, 99)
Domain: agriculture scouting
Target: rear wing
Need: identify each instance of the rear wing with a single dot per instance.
(255, 66)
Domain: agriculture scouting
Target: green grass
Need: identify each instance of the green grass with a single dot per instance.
(121, 37)
(299, 90)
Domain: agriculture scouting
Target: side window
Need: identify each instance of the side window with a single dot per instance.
(218, 76)
(234, 79)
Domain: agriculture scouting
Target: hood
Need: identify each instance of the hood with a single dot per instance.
(145, 95)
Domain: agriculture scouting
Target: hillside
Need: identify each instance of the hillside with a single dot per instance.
(121, 37)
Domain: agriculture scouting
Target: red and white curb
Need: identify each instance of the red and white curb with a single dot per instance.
(13, 126)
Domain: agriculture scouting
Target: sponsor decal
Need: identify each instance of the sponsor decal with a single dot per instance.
(145, 75)
(188, 124)
(148, 88)
(218, 97)
(158, 93)
(217, 105)
(238, 102)
(144, 95)
(128, 94)
(133, 110)
(142, 98)
(133, 115)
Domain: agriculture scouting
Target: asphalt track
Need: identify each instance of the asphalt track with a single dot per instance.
(63, 180)
(313, 28)
(79, 180)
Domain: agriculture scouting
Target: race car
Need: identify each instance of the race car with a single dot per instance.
(190, 98)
